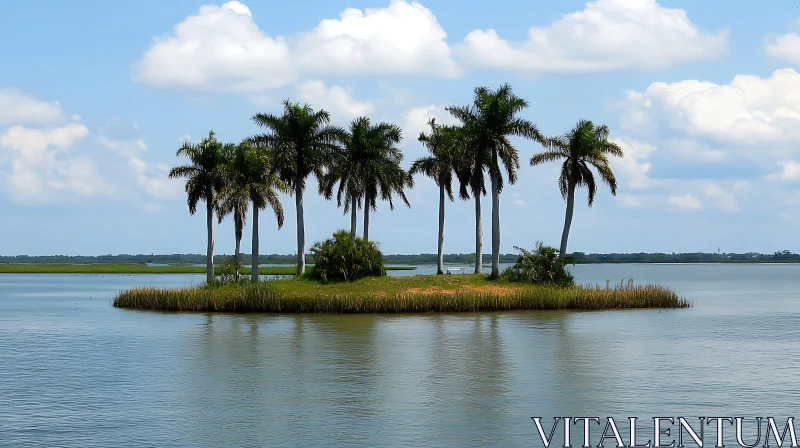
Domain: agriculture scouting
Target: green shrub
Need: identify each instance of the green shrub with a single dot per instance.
(344, 258)
(541, 267)
(229, 272)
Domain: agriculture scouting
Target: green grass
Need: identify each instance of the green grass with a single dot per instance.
(417, 294)
(122, 268)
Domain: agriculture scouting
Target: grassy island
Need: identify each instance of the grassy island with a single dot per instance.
(415, 294)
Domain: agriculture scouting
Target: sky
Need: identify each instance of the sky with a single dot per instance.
(702, 96)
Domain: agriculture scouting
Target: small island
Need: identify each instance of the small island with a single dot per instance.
(350, 277)
(360, 166)
(414, 294)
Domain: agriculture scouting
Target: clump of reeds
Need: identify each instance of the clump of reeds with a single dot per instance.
(265, 297)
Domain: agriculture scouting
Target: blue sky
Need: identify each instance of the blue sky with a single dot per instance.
(703, 97)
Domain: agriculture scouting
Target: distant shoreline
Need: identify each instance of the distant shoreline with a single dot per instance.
(783, 257)
(131, 268)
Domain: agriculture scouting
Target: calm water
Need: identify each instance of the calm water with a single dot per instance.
(75, 372)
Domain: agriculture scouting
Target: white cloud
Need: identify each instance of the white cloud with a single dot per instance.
(17, 107)
(634, 113)
(403, 38)
(686, 201)
(32, 144)
(335, 99)
(632, 164)
(785, 47)
(790, 171)
(748, 110)
(185, 138)
(606, 35)
(154, 181)
(41, 168)
(222, 47)
(415, 120)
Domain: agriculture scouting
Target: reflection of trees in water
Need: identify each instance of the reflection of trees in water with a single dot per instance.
(470, 380)
(345, 354)
(237, 380)
(587, 377)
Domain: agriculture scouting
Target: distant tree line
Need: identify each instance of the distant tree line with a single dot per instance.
(219, 258)
(784, 256)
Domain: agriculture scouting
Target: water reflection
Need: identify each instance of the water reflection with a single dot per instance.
(76, 372)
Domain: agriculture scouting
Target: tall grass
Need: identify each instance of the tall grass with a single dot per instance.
(267, 297)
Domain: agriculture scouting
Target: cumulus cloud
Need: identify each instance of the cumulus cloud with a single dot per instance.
(335, 99)
(219, 47)
(633, 166)
(40, 167)
(790, 171)
(17, 107)
(686, 201)
(785, 47)
(415, 120)
(403, 38)
(222, 47)
(606, 35)
(748, 110)
(153, 180)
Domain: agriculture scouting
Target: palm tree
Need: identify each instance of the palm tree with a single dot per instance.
(488, 124)
(302, 141)
(380, 171)
(204, 180)
(469, 168)
(439, 166)
(584, 146)
(345, 169)
(249, 179)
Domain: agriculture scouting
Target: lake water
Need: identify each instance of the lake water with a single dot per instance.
(76, 372)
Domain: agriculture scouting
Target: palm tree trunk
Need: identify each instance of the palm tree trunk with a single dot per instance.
(478, 234)
(353, 218)
(366, 217)
(495, 219)
(236, 254)
(210, 245)
(440, 259)
(254, 256)
(301, 231)
(567, 219)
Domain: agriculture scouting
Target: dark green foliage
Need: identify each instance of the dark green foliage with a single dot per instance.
(344, 258)
(583, 147)
(540, 267)
(230, 272)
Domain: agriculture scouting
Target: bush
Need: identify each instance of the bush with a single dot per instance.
(541, 267)
(229, 272)
(344, 258)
